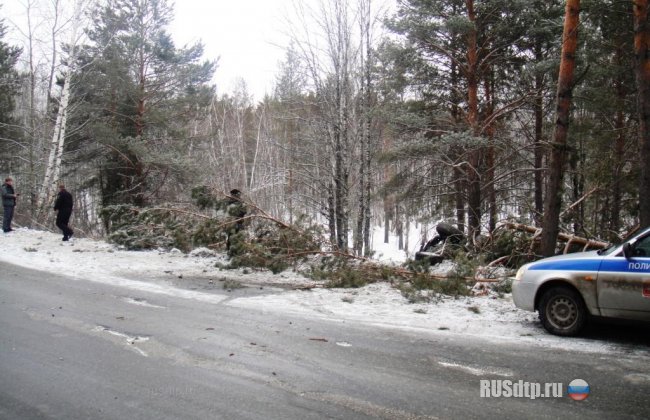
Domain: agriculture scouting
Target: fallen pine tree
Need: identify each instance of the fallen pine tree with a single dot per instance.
(563, 237)
(270, 243)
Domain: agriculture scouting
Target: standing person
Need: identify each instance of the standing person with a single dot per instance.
(9, 203)
(236, 208)
(63, 206)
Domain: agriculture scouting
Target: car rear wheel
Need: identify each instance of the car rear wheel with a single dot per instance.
(562, 311)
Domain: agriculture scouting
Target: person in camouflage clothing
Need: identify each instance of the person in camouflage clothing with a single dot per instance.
(236, 209)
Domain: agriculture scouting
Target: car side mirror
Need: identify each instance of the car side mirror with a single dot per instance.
(627, 250)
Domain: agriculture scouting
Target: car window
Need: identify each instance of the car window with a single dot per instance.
(641, 241)
(609, 250)
(642, 247)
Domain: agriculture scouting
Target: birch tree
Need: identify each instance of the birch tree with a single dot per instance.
(57, 143)
(366, 95)
(330, 57)
(29, 111)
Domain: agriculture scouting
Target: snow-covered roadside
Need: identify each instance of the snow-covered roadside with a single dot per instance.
(489, 317)
(100, 261)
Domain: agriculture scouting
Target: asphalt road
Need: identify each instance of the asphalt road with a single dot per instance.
(75, 349)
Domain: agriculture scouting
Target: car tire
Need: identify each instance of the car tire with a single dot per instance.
(562, 311)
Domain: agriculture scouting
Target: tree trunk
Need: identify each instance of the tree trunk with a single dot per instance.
(557, 163)
(289, 190)
(30, 126)
(387, 144)
(364, 176)
(459, 195)
(140, 103)
(331, 213)
(399, 227)
(642, 55)
(367, 230)
(458, 175)
(619, 147)
(490, 157)
(473, 171)
(538, 148)
(53, 169)
(251, 182)
(357, 242)
(388, 216)
(55, 29)
(577, 181)
(340, 190)
(341, 120)
(587, 243)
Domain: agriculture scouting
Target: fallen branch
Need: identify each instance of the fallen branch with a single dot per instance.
(498, 261)
(586, 243)
(372, 268)
(173, 210)
(572, 206)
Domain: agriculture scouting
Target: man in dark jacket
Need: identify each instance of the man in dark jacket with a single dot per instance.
(8, 203)
(63, 206)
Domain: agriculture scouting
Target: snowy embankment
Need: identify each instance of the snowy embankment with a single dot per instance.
(488, 316)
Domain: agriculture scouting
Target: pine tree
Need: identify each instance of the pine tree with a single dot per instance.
(557, 162)
(141, 90)
(9, 87)
(461, 59)
(642, 54)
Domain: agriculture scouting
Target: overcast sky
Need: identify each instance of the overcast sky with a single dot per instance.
(247, 35)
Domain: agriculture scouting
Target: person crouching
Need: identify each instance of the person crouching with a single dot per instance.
(63, 207)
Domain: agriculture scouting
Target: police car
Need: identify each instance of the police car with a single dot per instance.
(567, 289)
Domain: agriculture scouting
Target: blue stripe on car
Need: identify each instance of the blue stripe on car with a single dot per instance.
(573, 265)
(606, 265)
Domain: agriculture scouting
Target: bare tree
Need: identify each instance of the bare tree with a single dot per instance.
(362, 230)
(30, 115)
(331, 57)
(53, 168)
(54, 31)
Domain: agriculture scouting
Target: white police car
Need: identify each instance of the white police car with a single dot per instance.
(566, 289)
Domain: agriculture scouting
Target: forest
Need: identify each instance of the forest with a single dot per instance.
(472, 112)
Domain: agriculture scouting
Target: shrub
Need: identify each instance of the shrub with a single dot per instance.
(229, 284)
(503, 286)
(423, 287)
(515, 245)
(263, 243)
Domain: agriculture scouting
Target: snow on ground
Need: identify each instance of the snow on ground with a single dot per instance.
(390, 252)
(488, 317)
